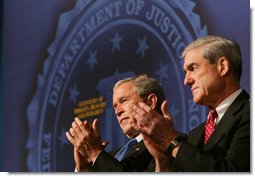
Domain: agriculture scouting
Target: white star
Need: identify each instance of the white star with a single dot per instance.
(92, 59)
(73, 93)
(116, 42)
(162, 72)
(142, 46)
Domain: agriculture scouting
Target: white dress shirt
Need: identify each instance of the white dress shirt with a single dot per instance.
(224, 105)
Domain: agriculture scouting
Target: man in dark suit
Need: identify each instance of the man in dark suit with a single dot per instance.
(213, 68)
(89, 151)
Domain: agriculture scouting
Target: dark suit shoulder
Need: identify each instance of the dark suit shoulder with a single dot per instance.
(137, 160)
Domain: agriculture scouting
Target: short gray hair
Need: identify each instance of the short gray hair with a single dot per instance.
(214, 47)
(144, 86)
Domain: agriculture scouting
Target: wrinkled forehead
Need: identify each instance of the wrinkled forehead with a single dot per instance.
(192, 56)
(123, 89)
(123, 85)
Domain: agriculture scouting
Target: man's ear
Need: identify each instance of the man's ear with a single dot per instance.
(152, 100)
(223, 66)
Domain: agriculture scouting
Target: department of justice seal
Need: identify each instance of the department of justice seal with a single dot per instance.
(97, 43)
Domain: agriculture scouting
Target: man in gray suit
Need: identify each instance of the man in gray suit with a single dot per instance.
(213, 67)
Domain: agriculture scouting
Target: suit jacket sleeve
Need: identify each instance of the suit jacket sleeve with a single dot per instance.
(138, 159)
(228, 148)
(105, 162)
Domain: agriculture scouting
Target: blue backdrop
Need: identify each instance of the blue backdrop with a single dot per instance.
(60, 59)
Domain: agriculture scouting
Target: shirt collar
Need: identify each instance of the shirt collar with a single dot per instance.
(139, 138)
(224, 105)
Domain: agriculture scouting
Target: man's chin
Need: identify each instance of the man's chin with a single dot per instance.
(196, 100)
(131, 133)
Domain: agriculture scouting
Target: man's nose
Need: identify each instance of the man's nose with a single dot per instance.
(119, 110)
(188, 79)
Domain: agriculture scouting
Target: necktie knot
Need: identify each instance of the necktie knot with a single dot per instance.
(124, 150)
(213, 114)
(210, 124)
(132, 142)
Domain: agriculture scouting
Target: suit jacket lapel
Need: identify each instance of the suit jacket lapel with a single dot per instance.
(226, 121)
(136, 149)
(138, 159)
(196, 136)
(219, 131)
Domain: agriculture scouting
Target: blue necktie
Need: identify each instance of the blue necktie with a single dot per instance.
(123, 151)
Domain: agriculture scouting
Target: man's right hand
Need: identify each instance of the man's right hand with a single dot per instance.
(82, 163)
(86, 138)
